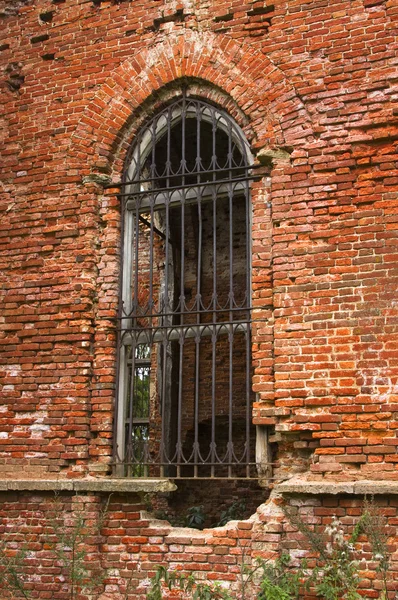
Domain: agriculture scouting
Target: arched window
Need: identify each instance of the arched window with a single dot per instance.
(184, 392)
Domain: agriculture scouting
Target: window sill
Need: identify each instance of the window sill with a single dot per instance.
(89, 485)
(360, 487)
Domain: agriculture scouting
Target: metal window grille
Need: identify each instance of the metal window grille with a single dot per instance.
(184, 391)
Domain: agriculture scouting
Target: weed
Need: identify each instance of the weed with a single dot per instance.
(185, 584)
(69, 544)
(195, 517)
(335, 577)
(235, 511)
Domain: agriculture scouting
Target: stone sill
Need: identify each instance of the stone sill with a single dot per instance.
(361, 488)
(89, 485)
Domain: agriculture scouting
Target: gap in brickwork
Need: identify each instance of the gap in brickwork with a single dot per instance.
(257, 20)
(207, 503)
(14, 76)
(46, 17)
(372, 3)
(177, 17)
(261, 10)
(39, 38)
(223, 18)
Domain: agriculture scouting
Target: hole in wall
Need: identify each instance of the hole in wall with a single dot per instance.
(208, 503)
(46, 17)
(39, 38)
(14, 76)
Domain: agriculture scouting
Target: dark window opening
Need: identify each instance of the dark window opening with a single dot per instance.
(184, 400)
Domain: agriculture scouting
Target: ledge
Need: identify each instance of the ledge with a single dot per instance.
(364, 487)
(89, 485)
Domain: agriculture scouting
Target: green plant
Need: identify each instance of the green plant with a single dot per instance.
(186, 584)
(174, 520)
(336, 575)
(69, 542)
(195, 517)
(236, 510)
(12, 562)
(374, 525)
(279, 581)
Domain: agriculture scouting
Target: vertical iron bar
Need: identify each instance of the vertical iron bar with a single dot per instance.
(198, 291)
(166, 299)
(135, 325)
(248, 327)
(151, 300)
(163, 418)
(248, 415)
(153, 172)
(179, 410)
(183, 140)
(197, 337)
(182, 250)
(213, 165)
(199, 261)
(182, 259)
(168, 161)
(196, 416)
(213, 400)
(120, 401)
(198, 157)
(153, 141)
(130, 457)
(231, 283)
(138, 174)
(181, 337)
(214, 337)
(229, 150)
(230, 406)
(136, 250)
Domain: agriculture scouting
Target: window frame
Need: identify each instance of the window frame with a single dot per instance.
(139, 152)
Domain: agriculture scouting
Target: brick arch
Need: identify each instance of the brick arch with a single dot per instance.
(276, 114)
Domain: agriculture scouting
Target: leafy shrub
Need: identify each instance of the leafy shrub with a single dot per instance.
(335, 577)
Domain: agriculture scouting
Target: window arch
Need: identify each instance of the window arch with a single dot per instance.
(184, 381)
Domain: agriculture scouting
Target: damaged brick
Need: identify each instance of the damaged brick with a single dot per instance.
(14, 75)
(177, 17)
(261, 10)
(46, 17)
(39, 38)
(223, 18)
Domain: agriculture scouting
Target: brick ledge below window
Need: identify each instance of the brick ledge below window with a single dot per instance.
(89, 485)
(361, 487)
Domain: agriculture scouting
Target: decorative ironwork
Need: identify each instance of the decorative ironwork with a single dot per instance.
(184, 398)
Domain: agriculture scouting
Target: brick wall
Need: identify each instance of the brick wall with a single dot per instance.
(313, 86)
(130, 545)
